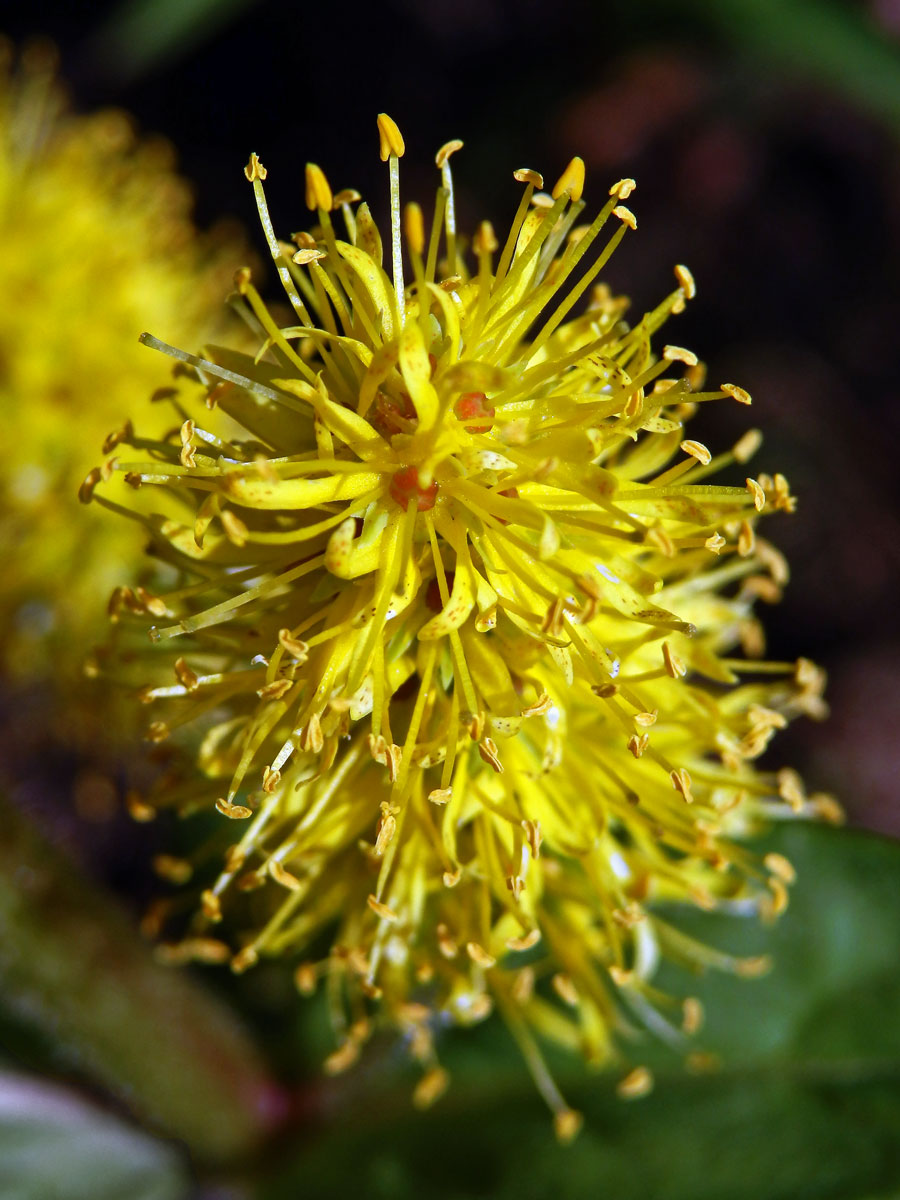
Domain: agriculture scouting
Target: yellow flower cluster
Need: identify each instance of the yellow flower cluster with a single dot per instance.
(467, 634)
(97, 240)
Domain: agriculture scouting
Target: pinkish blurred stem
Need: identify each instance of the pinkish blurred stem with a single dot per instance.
(72, 966)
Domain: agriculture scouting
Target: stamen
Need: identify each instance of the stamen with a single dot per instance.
(318, 190)
(392, 148)
(531, 179)
(571, 180)
(442, 159)
(686, 282)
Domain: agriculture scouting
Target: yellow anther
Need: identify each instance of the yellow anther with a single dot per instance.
(809, 676)
(637, 1083)
(284, 877)
(390, 138)
(446, 150)
(625, 215)
(347, 196)
(159, 731)
(565, 989)
(673, 664)
(686, 281)
(715, 543)
(212, 909)
(697, 450)
(524, 943)
(736, 393)
(414, 228)
(826, 807)
(430, 1087)
(318, 192)
(480, 956)
(681, 782)
(783, 498)
(767, 717)
(292, 645)
(485, 240)
(254, 169)
(747, 445)
(679, 354)
(566, 1125)
(137, 809)
(622, 189)
(759, 496)
(516, 885)
(691, 1015)
(304, 257)
(172, 869)
(526, 175)
(185, 676)
(781, 867)
(746, 540)
(778, 902)
(571, 180)
(533, 836)
(237, 812)
(341, 1059)
(381, 910)
(235, 529)
(305, 978)
(790, 788)
(638, 744)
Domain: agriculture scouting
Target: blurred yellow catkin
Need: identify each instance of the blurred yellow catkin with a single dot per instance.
(97, 244)
(464, 634)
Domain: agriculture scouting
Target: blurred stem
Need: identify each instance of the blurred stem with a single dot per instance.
(72, 966)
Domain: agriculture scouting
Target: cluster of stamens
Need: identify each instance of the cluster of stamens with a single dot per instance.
(455, 610)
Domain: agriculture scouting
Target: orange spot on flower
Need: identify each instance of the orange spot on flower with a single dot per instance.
(471, 405)
(405, 487)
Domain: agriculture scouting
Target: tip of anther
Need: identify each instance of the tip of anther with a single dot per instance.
(390, 138)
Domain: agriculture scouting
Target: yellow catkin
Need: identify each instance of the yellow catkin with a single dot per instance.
(469, 668)
(98, 243)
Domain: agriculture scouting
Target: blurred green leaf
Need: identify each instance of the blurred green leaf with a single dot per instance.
(832, 44)
(806, 1105)
(143, 34)
(837, 956)
(55, 1146)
